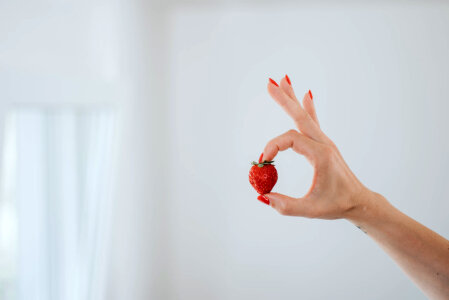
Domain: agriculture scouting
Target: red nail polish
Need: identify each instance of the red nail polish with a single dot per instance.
(310, 94)
(260, 158)
(263, 199)
(288, 79)
(273, 82)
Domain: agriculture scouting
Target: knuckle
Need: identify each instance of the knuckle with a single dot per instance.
(292, 132)
(272, 143)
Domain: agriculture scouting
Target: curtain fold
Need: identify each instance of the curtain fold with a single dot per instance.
(62, 199)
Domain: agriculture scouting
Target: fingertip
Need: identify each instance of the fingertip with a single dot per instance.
(281, 97)
(309, 106)
(284, 83)
(268, 153)
(275, 200)
(306, 96)
(306, 99)
(273, 82)
(285, 86)
(272, 88)
(271, 196)
(269, 199)
(263, 199)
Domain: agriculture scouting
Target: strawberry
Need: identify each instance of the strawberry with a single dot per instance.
(263, 176)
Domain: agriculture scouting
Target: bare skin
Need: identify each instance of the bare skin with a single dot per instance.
(336, 193)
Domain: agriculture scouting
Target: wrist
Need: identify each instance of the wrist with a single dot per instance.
(369, 209)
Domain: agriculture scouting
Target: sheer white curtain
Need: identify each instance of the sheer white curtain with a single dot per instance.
(60, 197)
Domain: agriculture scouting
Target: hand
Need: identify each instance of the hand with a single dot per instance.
(335, 192)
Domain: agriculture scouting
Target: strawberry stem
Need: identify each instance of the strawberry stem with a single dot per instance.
(261, 164)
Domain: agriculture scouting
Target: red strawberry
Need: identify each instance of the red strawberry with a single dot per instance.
(263, 176)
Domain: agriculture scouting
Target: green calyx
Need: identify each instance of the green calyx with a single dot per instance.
(264, 163)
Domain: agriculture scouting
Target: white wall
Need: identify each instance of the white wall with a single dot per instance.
(99, 53)
(379, 78)
(188, 82)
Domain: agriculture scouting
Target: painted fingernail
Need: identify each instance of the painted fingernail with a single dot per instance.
(273, 82)
(310, 94)
(260, 158)
(288, 79)
(263, 199)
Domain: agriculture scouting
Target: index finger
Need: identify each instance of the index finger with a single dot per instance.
(291, 139)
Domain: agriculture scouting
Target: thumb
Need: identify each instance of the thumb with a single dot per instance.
(289, 206)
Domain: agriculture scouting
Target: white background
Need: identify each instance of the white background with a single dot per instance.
(189, 83)
(379, 79)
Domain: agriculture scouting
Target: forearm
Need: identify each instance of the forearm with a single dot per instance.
(420, 252)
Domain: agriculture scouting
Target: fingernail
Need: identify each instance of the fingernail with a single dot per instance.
(288, 79)
(263, 199)
(273, 82)
(310, 94)
(260, 158)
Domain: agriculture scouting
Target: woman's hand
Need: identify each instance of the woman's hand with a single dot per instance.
(335, 191)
